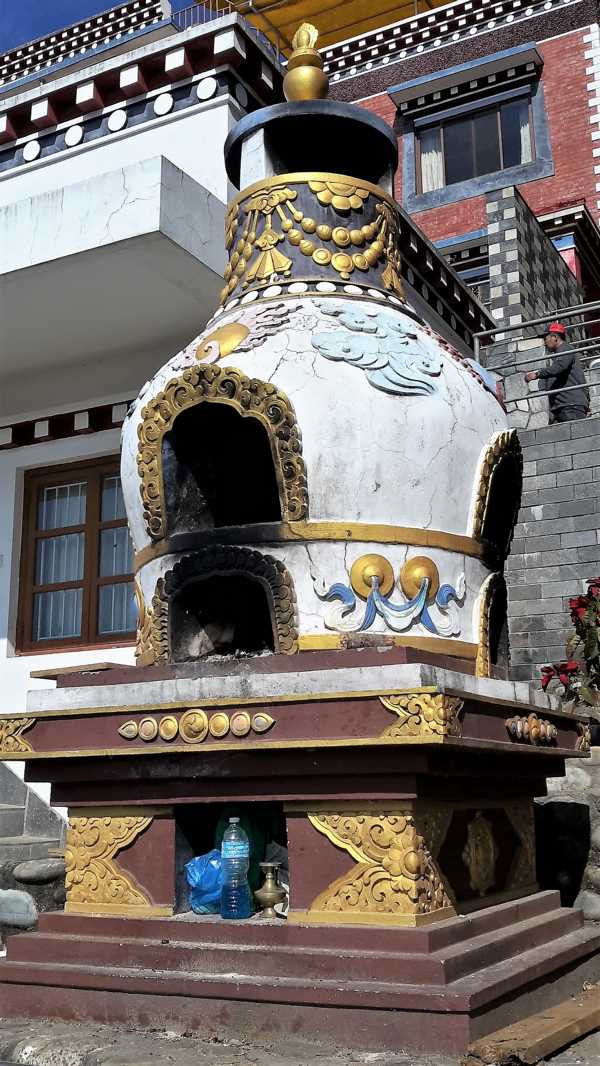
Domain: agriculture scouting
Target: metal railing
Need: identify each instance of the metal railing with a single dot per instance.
(574, 318)
(210, 10)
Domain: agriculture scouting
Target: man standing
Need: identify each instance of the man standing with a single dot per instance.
(564, 371)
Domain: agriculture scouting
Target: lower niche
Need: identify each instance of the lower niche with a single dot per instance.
(220, 615)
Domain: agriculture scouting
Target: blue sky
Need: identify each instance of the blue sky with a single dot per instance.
(24, 20)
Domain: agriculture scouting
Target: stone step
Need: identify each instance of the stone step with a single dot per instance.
(467, 994)
(12, 819)
(19, 847)
(172, 954)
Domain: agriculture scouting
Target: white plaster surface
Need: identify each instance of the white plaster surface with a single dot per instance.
(244, 683)
(371, 456)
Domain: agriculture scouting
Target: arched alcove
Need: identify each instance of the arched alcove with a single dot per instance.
(498, 494)
(226, 614)
(253, 401)
(493, 656)
(218, 470)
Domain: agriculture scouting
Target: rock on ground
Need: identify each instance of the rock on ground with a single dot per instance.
(50, 1043)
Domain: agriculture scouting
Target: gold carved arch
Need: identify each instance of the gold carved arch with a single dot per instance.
(250, 397)
(504, 448)
(153, 637)
(483, 663)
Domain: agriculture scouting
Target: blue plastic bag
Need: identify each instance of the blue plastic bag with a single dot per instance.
(204, 878)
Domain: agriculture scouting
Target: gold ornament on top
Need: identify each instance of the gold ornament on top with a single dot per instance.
(305, 78)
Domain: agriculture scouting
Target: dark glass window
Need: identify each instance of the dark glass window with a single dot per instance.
(77, 559)
(480, 143)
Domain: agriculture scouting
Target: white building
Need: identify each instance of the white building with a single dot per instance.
(112, 203)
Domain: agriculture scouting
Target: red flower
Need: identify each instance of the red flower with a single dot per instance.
(548, 672)
(578, 606)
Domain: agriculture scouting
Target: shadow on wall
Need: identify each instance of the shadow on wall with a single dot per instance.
(563, 843)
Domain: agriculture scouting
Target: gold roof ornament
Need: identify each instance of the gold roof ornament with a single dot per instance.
(305, 78)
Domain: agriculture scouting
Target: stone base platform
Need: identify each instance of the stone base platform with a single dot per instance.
(436, 987)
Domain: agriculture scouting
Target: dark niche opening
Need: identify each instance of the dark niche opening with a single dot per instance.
(498, 631)
(220, 615)
(218, 470)
(503, 505)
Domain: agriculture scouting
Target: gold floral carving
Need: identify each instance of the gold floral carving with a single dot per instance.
(272, 221)
(93, 877)
(423, 714)
(11, 739)
(480, 854)
(249, 397)
(504, 447)
(152, 637)
(531, 730)
(521, 815)
(395, 874)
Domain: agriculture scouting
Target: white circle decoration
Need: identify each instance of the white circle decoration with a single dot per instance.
(163, 104)
(206, 88)
(353, 290)
(31, 151)
(117, 120)
(272, 290)
(73, 135)
(298, 287)
(241, 96)
(250, 297)
(325, 286)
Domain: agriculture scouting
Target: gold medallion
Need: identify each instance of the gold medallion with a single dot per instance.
(148, 729)
(240, 723)
(219, 724)
(168, 727)
(193, 726)
(365, 569)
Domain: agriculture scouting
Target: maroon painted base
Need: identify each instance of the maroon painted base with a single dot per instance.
(429, 989)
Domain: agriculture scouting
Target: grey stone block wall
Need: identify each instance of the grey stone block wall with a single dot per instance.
(528, 279)
(556, 546)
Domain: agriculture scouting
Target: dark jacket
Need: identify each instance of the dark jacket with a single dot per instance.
(565, 370)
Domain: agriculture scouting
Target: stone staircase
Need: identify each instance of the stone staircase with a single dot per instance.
(28, 826)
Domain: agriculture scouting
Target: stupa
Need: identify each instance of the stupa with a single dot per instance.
(321, 492)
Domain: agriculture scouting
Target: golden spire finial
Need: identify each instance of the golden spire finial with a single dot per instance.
(305, 78)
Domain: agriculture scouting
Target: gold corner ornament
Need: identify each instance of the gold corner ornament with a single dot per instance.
(423, 714)
(305, 78)
(250, 397)
(395, 877)
(94, 880)
(266, 219)
(11, 739)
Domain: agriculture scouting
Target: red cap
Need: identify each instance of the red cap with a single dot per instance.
(555, 327)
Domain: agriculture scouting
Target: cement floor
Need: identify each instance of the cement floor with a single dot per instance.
(46, 1043)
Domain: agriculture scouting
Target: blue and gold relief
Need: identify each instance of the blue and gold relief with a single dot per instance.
(395, 357)
(372, 580)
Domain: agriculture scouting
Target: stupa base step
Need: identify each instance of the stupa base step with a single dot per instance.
(433, 989)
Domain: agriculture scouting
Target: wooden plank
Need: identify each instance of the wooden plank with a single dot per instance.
(532, 1039)
(86, 668)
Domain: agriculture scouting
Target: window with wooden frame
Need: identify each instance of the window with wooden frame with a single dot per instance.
(480, 142)
(76, 584)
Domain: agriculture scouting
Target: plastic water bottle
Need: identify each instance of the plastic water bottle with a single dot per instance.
(236, 900)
